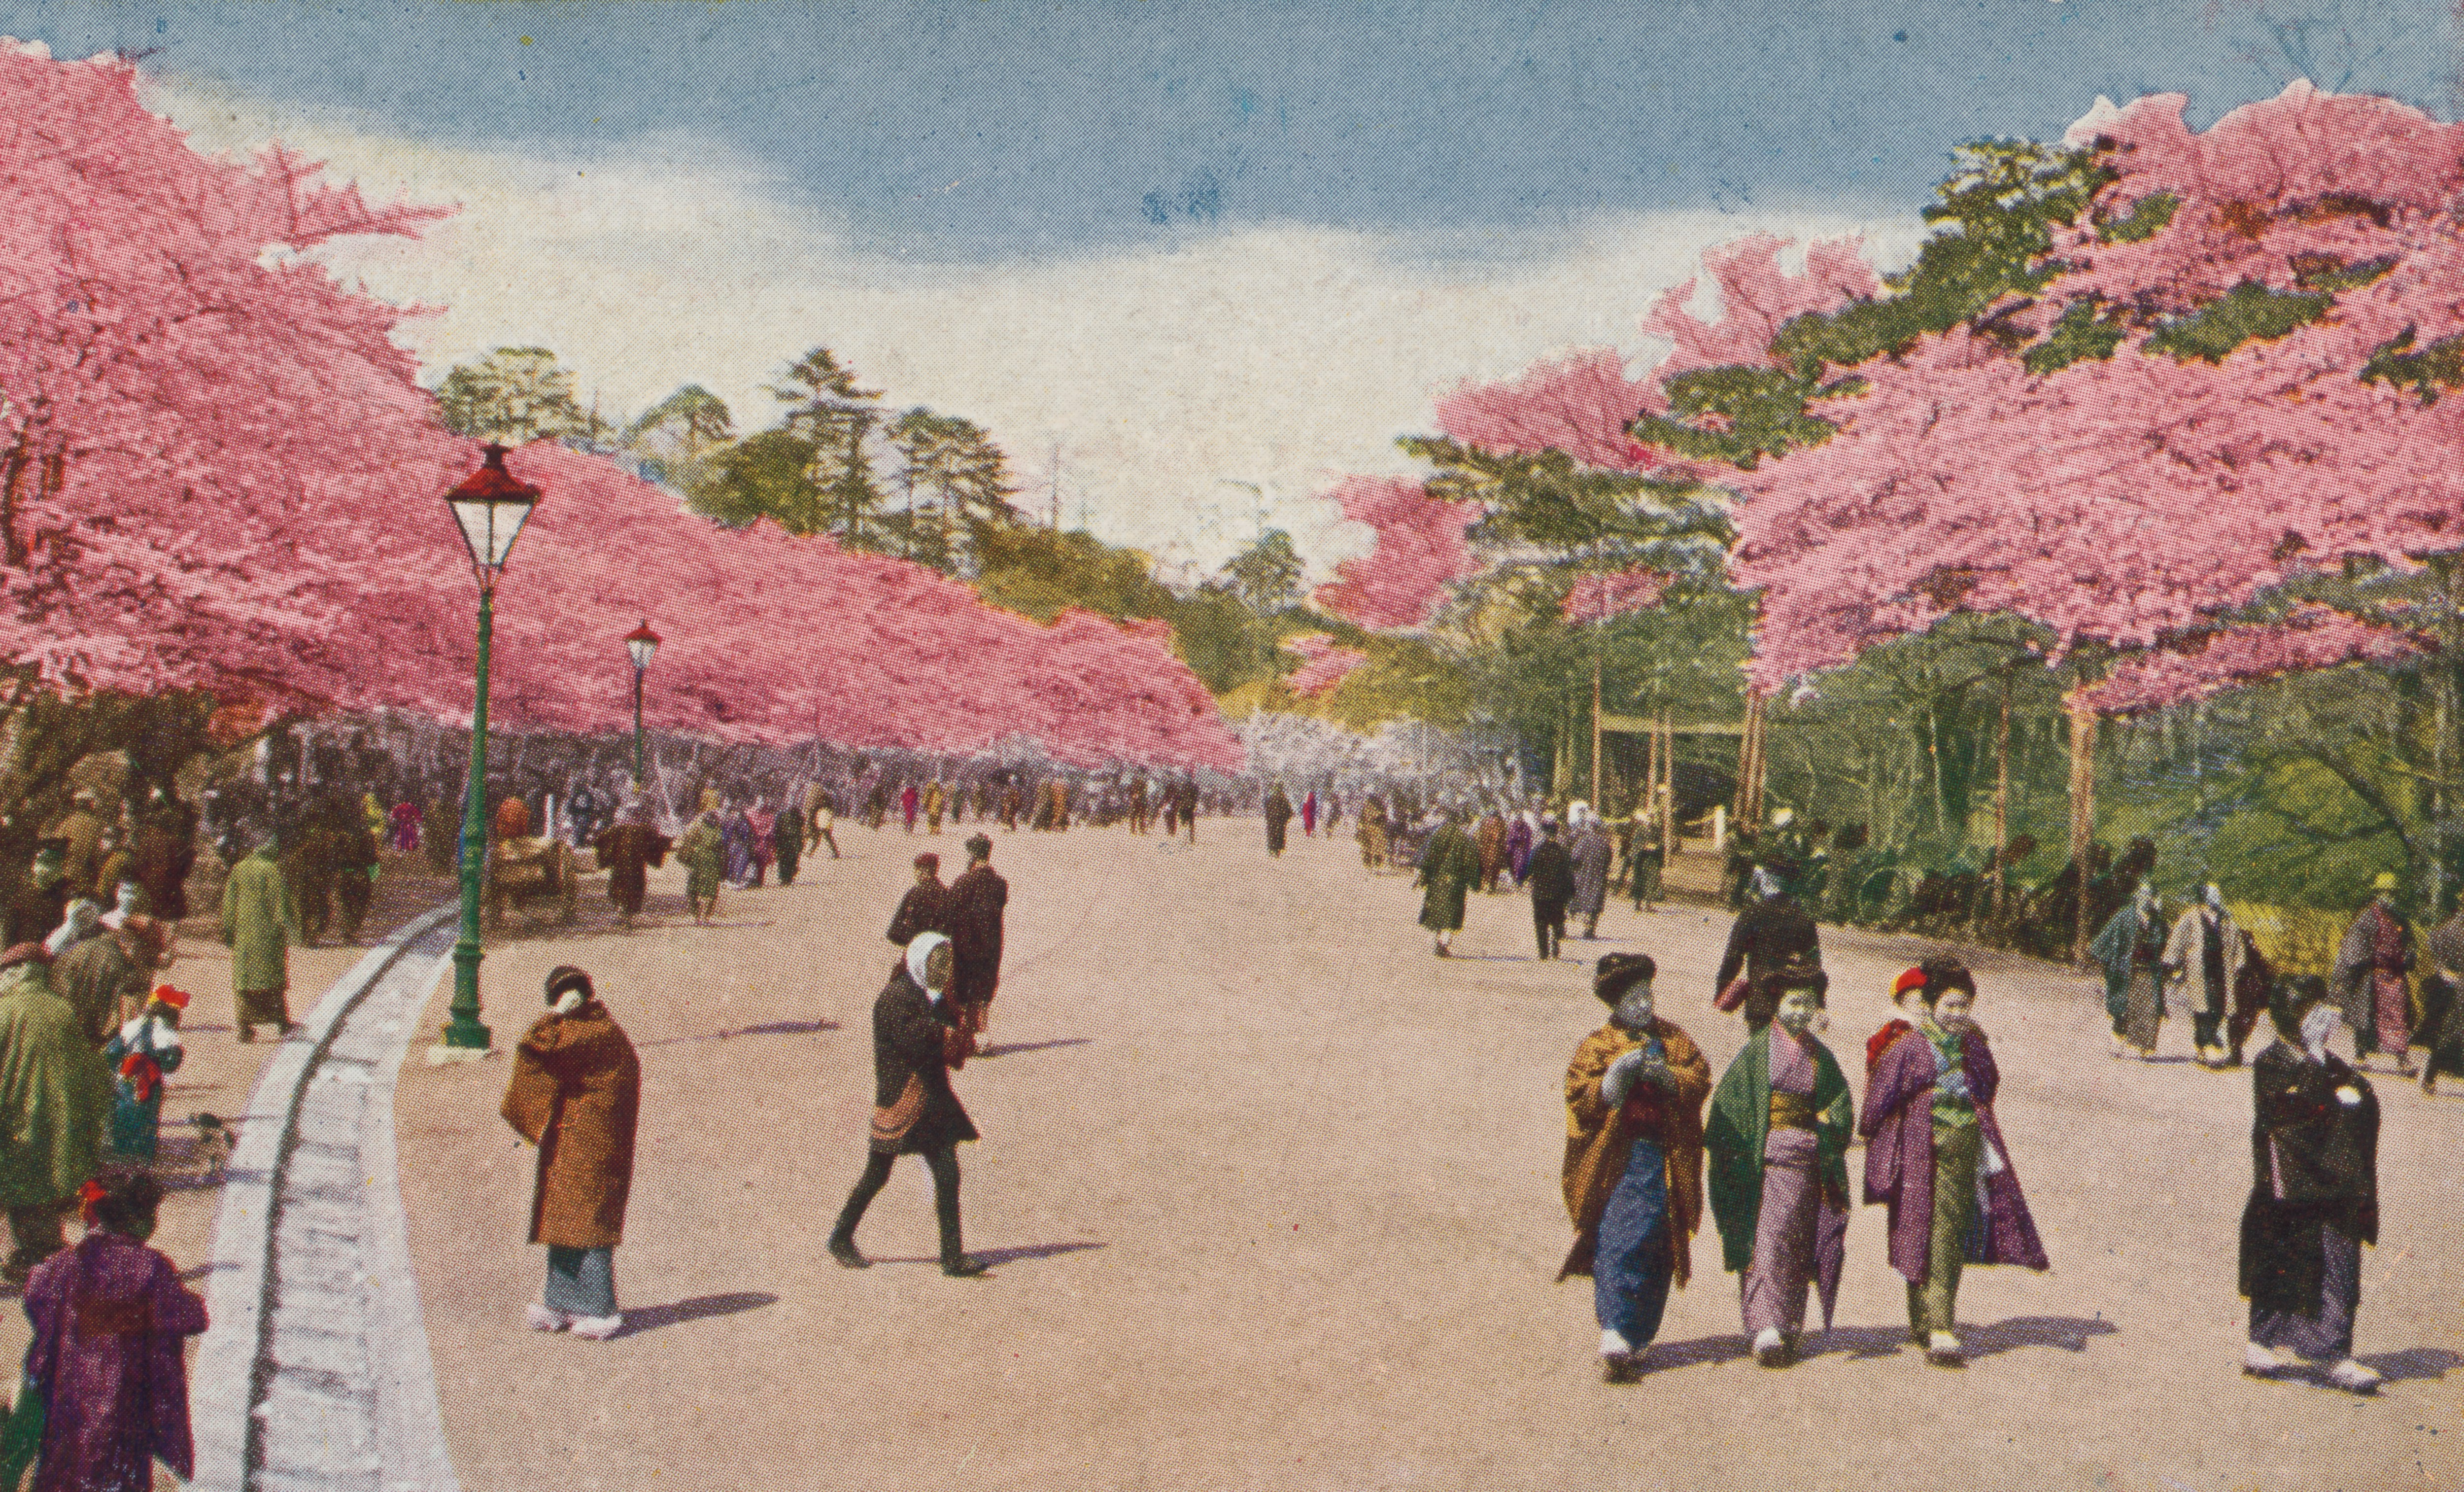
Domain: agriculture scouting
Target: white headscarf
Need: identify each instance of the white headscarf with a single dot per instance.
(918, 951)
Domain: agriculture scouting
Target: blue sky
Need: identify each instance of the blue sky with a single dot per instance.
(1192, 262)
(980, 128)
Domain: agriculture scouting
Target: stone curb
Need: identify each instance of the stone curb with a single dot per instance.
(231, 1359)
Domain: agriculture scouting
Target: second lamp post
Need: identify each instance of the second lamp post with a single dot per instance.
(644, 644)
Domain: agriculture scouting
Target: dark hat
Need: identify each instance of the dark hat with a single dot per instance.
(979, 845)
(927, 861)
(1616, 972)
(564, 977)
(2291, 998)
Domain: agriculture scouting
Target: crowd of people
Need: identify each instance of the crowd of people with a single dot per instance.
(1770, 1157)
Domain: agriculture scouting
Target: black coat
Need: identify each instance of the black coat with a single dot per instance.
(2314, 1163)
(1769, 934)
(978, 901)
(1550, 872)
(908, 1033)
(924, 908)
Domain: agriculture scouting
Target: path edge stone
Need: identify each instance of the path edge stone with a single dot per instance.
(240, 1261)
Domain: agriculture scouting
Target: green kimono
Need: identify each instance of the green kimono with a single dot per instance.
(1739, 1127)
(55, 1094)
(699, 851)
(1449, 867)
(260, 920)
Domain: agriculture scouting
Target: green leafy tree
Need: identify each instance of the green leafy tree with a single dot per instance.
(678, 437)
(827, 407)
(513, 396)
(764, 476)
(1267, 576)
(956, 480)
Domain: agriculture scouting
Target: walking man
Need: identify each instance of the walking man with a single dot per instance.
(787, 839)
(1551, 877)
(2372, 973)
(2205, 953)
(978, 902)
(259, 921)
(1279, 818)
(926, 905)
(1592, 856)
(1449, 867)
(915, 1110)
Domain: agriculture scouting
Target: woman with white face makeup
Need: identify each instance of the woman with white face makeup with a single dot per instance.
(1634, 1161)
(1777, 1141)
(2314, 1198)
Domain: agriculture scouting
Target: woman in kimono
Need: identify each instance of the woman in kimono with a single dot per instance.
(736, 846)
(576, 1094)
(762, 842)
(1634, 1161)
(1936, 1158)
(143, 1053)
(107, 1370)
(1520, 836)
(2130, 949)
(2314, 1200)
(699, 851)
(1777, 1142)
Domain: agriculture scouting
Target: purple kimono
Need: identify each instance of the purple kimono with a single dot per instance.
(1518, 846)
(108, 1317)
(1897, 1127)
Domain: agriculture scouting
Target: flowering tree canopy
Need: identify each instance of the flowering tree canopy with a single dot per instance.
(1580, 404)
(1596, 597)
(2225, 370)
(1420, 551)
(218, 472)
(2187, 668)
(1323, 664)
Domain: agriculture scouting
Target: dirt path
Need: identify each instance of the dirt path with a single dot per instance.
(1274, 1200)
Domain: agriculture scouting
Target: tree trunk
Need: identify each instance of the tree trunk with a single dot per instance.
(2084, 723)
(1599, 803)
(2002, 800)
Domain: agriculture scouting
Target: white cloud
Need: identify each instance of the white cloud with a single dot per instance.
(1282, 356)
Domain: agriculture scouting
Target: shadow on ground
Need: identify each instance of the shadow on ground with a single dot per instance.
(1013, 1049)
(651, 1317)
(2069, 1333)
(770, 1028)
(998, 1257)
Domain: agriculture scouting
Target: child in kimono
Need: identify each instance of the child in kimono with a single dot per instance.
(1936, 1158)
(141, 1053)
(1634, 1161)
(1777, 1142)
(106, 1370)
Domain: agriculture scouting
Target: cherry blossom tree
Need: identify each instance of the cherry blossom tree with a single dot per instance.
(1323, 664)
(1421, 550)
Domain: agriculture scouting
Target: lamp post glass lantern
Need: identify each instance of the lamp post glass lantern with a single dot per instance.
(489, 507)
(644, 644)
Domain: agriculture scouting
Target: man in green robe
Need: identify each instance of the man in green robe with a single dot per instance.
(699, 851)
(259, 922)
(54, 1096)
(1449, 867)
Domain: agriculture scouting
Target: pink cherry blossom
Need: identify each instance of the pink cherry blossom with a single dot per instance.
(1579, 403)
(1323, 664)
(1596, 597)
(1420, 551)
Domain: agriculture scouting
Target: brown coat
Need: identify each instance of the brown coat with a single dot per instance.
(577, 1094)
(1598, 1139)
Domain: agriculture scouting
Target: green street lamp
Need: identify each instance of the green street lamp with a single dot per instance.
(489, 507)
(644, 644)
